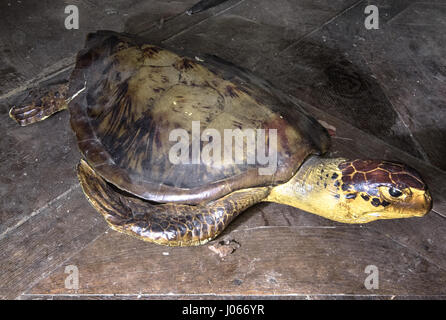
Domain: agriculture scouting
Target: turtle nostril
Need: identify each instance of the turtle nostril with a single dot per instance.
(428, 201)
(428, 198)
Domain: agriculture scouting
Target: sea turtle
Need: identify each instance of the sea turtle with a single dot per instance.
(130, 105)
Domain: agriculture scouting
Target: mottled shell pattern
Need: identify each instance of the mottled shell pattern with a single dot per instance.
(131, 95)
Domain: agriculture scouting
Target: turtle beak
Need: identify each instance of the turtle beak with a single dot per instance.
(425, 203)
(422, 204)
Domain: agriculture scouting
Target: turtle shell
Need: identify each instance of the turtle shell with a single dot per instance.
(130, 95)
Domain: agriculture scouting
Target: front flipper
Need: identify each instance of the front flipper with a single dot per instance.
(167, 224)
(42, 104)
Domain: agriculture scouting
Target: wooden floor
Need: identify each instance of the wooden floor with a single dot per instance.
(383, 91)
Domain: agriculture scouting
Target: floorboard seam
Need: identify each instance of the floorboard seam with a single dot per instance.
(202, 21)
(320, 27)
(440, 214)
(57, 266)
(417, 144)
(36, 212)
(409, 248)
(46, 74)
(291, 227)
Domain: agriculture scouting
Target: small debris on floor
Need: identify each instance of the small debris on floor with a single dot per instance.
(224, 247)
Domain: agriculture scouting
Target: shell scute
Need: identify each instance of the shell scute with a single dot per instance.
(378, 175)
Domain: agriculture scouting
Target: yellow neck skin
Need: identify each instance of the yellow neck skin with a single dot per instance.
(313, 189)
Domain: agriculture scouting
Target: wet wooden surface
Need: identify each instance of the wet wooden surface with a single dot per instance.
(383, 91)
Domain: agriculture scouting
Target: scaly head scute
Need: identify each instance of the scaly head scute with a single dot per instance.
(389, 189)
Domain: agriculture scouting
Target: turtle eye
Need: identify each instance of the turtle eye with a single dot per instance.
(394, 192)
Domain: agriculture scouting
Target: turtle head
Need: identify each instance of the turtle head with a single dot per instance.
(356, 191)
(377, 189)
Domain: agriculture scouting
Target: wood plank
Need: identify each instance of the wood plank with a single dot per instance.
(183, 22)
(42, 243)
(271, 260)
(326, 70)
(251, 32)
(412, 74)
(29, 30)
(228, 297)
(37, 165)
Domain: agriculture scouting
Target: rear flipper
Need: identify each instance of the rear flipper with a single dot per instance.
(42, 104)
(168, 224)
